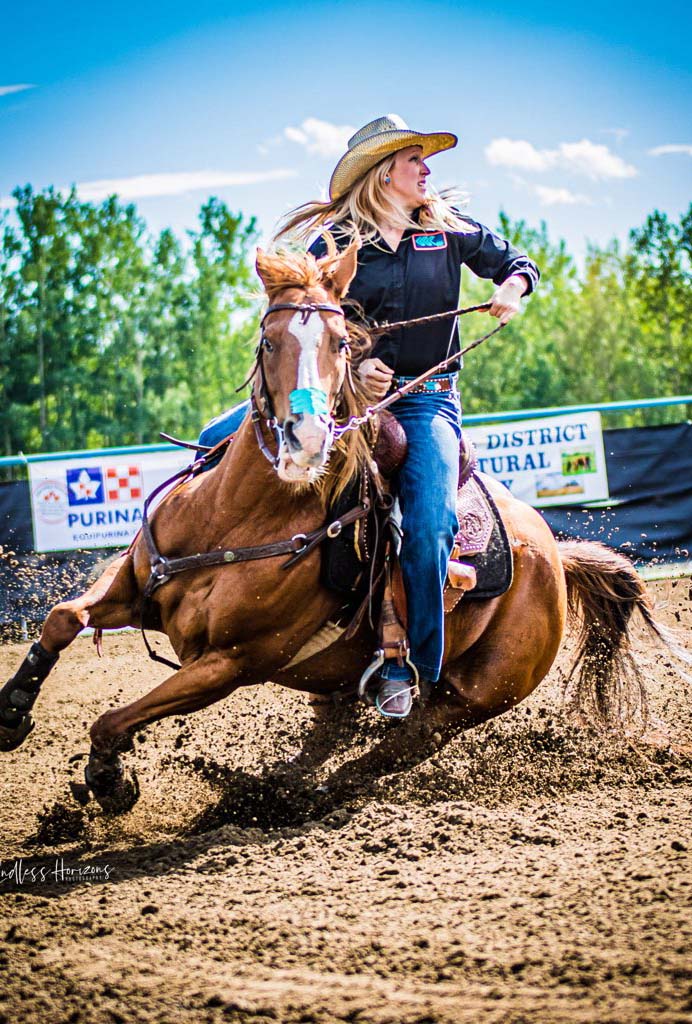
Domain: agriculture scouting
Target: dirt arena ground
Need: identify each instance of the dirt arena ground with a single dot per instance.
(528, 872)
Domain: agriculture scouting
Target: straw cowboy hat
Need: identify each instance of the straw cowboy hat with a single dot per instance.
(374, 141)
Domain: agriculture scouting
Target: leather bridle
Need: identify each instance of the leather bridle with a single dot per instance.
(306, 310)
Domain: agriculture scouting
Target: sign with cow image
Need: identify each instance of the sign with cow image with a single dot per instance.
(558, 460)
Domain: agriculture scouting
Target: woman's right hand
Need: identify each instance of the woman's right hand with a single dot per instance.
(376, 375)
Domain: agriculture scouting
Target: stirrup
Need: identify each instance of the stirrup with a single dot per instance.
(406, 689)
(376, 664)
(370, 671)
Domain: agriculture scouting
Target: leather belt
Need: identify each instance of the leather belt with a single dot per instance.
(433, 386)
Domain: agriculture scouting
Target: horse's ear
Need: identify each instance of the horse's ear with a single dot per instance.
(340, 270)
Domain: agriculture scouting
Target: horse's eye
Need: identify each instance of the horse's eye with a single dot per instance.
(343, 344)
(267, 345)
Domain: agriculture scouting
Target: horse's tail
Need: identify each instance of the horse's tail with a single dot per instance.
(603, 591)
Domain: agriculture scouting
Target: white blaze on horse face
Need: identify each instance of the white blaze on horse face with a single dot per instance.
(311, 433)
(308, 335)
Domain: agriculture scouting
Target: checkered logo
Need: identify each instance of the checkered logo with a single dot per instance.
(123, 483)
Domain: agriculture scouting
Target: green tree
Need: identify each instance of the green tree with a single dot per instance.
(108, 335)
(658, 272)
(221, 330)
(15, 360)
(526, 365)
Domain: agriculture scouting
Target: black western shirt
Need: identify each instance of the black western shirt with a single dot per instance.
(422, 277)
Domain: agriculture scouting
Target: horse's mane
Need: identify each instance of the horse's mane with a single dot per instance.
(284, 270)
(354, 448)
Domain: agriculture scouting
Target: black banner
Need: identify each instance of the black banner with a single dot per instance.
(650, 485)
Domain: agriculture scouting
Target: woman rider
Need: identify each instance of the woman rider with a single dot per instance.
(413, 244)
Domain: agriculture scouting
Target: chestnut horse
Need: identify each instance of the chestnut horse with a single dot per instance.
(240, 624)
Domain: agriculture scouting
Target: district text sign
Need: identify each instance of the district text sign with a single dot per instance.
(558, 460)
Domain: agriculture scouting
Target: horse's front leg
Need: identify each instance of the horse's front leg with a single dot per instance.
(196, 685)
(106, 604)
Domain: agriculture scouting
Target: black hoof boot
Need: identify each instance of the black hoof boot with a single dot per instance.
(114, 787)
(18, 695)
(11, 738)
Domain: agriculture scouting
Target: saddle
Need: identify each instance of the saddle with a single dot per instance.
(481, 564)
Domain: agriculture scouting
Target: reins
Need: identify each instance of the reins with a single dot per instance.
(355, 422)
(385, 328)
(299, 545)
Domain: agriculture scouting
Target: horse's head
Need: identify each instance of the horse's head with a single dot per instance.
(302, 356)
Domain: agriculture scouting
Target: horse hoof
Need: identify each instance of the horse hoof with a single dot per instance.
(123, 798)
(11, 738)
(114, 787)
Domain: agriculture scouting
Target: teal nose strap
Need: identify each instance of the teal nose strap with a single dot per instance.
(308, 401)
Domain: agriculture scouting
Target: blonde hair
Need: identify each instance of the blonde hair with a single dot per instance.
(367, 205)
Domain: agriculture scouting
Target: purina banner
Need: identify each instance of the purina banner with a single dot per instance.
(95, 502)
(558, 460)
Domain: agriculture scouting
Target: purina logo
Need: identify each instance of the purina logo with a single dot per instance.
(97, 485)
(124, 483)
(85, 485)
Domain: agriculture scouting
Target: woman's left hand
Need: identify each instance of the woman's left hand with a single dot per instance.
(505, 303)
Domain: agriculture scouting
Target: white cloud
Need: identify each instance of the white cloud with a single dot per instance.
(590, 159)
(264, 148)
(320, 137)
(518, 153)
(673, 148)
(144, 186)
(5, 90)
(560, 197)
(593, 160)
(141, 186)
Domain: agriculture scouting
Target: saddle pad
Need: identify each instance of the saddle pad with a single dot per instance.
(483, 542)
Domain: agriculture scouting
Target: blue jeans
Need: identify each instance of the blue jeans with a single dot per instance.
(223, 425)
(427, 489)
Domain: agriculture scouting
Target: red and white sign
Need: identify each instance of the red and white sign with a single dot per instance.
(123, 483)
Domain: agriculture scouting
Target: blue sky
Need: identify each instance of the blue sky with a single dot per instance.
(579, 114)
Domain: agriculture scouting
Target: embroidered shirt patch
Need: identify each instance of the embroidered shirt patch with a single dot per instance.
(436, 241)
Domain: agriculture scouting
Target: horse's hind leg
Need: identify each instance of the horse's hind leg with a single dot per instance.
(103, 604)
